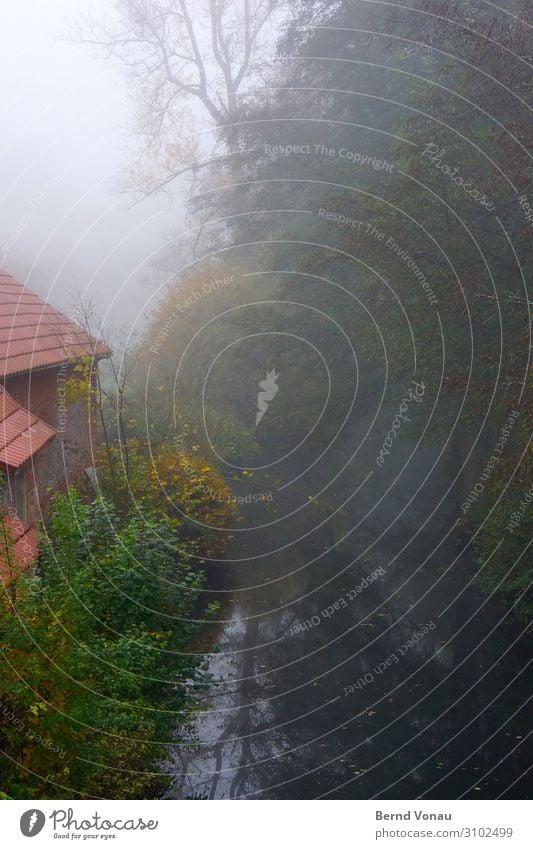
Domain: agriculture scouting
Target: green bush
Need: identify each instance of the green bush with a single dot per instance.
(96, 663)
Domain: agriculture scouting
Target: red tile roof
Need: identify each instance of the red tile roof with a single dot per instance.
(21, 551)
(34, 335)
(21, 433)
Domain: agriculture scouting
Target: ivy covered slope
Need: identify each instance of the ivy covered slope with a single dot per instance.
(98, 666)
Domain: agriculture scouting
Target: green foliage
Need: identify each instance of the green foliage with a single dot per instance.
(97, 656)
(231, 437)
(175, 482)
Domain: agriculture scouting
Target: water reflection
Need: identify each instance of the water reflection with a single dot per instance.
(329, 684)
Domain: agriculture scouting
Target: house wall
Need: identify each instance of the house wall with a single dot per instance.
(61, 463)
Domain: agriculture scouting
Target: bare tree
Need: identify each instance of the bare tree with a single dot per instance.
(107, 393)
(182, 59)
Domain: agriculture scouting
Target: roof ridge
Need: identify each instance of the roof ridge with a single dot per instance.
(24, 350)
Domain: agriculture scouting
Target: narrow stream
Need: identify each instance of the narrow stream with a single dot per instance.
(360, 664)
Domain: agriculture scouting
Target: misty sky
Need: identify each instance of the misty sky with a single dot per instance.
(63, 225)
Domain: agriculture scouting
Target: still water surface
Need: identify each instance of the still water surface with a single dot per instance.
(413, 686)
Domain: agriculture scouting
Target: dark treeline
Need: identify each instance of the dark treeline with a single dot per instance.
(376, 208)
